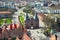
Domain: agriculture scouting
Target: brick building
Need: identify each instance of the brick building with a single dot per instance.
(13, 31)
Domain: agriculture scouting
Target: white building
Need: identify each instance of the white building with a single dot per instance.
(37, 34)
(39, 4)
(23, 3)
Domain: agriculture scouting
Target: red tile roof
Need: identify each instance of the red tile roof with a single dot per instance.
(15, 26)
(21, 30)
(26, 37)
(42, 15)
(5, 12)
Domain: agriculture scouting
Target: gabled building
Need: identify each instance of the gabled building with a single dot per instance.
(5, 14)
(16, 31)
(41, 18)
(38, 4)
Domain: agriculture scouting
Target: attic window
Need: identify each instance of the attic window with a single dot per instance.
(31, 27)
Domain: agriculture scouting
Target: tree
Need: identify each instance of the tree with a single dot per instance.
(48, 21)
(21, 18)
(13, 38)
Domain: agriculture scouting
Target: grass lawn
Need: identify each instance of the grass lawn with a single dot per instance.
(8, 21)
(1, 22)
(21, 18)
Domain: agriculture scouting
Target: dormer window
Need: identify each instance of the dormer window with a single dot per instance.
(31, 27)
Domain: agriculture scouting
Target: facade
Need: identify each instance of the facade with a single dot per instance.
(32, 22)
(5, 14)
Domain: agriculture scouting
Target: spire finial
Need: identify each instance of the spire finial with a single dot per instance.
(27, 16)
(36, 17)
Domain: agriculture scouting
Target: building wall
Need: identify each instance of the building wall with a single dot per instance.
(32, 23)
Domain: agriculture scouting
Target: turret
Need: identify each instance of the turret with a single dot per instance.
(36, 17)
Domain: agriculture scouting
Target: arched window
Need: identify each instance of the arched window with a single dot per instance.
(11, 26)
(15, 26)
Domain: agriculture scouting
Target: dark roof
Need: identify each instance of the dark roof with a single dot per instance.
(0, 30)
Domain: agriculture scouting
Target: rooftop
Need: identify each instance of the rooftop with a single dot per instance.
(5, 12)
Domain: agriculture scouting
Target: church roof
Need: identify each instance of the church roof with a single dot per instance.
(15, 30)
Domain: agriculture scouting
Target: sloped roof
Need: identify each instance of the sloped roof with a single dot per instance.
(26, 37)
(20, 31)
(42, 15)
(5, 12)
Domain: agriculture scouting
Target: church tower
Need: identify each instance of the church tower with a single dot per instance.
(27, 17)
(36, 22)
(36, 17)
(32, 22)
(27, 21)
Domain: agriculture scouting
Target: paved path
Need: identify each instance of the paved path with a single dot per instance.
(15, 18)
(16, 14)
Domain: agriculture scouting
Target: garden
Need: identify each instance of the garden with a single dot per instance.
(6, 20)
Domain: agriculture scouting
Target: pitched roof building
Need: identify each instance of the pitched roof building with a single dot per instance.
(41, 18)
(5, 14)
(16, 31)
